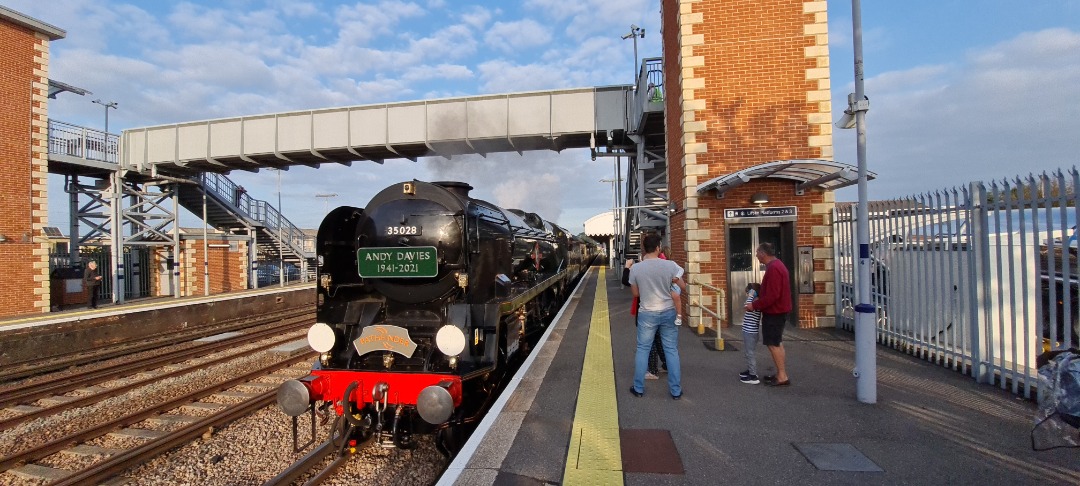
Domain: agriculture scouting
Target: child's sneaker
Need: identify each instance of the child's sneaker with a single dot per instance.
(678, 321)
(750, 379)
(650, 376)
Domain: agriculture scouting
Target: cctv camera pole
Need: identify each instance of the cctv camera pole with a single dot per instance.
(865, 329)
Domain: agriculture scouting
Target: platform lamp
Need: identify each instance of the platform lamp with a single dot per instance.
(107, 105)
(759, 198)
(326, 200)
(280, 218)
(865, 328)
(635, 32)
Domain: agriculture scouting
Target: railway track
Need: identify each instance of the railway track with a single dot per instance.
(23, 460)
(29, 368)
(61, 386)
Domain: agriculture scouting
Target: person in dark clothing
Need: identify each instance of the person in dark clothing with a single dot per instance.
(774, 302)
(91, 280)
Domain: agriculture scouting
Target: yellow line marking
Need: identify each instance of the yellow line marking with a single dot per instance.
(595, 456)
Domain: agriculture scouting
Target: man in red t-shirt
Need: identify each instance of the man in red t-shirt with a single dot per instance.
(774, 302)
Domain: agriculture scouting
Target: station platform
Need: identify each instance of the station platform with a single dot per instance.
(570, 417)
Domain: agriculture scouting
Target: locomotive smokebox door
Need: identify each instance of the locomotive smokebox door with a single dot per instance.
(408, 188)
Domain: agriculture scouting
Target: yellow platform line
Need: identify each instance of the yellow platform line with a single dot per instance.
(594, 456)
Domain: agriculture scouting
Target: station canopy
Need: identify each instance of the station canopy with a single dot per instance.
(808, 173)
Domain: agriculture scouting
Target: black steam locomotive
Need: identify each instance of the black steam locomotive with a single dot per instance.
(425, 298)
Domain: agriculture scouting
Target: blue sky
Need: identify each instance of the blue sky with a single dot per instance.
(959, 90)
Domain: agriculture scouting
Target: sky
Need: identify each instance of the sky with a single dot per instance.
(959, 90)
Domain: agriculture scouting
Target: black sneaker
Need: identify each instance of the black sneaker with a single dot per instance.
(744, 374)
(750, 379)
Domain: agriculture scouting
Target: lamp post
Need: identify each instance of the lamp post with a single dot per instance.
(280, 242)
(614, 220)
(635, 32)
(865, 329)
(107, 105)
(326, 200)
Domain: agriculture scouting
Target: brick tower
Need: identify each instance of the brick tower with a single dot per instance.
(748, 84)
(24, 89)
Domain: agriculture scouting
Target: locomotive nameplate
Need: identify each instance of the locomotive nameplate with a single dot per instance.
(398, 262)
(385, 338)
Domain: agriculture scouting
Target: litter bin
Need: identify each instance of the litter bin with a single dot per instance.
(66, 287)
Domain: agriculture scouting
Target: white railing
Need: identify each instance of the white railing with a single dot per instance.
(82, 142)
(981, 279)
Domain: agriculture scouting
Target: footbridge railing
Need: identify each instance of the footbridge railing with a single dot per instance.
(274, 223)
(84, 143)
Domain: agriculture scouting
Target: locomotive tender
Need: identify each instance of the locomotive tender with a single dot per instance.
(425, 297)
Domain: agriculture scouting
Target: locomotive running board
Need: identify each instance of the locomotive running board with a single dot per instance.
(512, 305)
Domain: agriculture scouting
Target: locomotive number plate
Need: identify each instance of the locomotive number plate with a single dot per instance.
(398, 262)
(412, 230)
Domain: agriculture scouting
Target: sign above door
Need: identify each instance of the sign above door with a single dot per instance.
(757, 213)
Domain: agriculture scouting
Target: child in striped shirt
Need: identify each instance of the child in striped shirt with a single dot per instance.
(750, 326)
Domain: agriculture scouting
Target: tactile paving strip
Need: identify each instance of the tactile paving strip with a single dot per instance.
(595, 456)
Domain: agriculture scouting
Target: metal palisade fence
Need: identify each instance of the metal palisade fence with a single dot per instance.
(981, 279)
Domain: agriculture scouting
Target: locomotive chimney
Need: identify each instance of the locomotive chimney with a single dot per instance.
(460, 189)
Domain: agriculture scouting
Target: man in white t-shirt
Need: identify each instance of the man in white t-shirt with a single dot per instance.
(650, 281)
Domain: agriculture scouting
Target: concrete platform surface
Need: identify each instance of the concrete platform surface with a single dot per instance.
(930, 425)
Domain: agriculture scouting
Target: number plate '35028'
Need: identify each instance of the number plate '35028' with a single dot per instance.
(398, 262)
(413, 230)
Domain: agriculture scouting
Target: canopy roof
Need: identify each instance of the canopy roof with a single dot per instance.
(809, 173)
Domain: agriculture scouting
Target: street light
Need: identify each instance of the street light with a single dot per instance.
(281, 243)
(614, 220)
(326, 200)
(107, 105)
(635, 32)
(865, 329)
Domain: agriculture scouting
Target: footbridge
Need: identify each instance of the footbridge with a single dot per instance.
(545, 120)
(139, 179)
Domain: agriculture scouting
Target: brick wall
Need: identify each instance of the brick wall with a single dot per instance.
(228, 268)
(24, 288)
(753, 79)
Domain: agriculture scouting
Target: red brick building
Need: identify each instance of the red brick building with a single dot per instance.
(747, 83)
(24, 89)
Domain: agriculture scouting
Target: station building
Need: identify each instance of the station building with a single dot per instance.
(748, 124)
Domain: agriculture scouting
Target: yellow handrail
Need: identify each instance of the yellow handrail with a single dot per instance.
(720, 315)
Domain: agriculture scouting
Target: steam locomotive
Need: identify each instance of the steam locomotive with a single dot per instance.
(425, 298)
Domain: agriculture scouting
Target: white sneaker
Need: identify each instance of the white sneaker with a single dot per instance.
(678, 321)
(650, 376)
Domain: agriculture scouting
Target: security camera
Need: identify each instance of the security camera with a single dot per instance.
(847, 122)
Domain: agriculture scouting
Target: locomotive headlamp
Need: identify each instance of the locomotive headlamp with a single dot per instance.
(450, 340)
(321, 337)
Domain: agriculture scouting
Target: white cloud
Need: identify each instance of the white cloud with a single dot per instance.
(477, 17)
(500, 76)
(513, 36)
(1006, 110)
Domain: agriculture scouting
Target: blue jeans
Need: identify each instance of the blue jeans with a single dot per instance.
(649, 325)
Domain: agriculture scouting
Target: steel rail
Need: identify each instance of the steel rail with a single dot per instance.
(111, 392)
(57, 445)
(98, 473)
(23, 369)
(61, 384)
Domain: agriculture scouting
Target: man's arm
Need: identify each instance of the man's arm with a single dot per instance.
(770, 293)
(634, 290)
